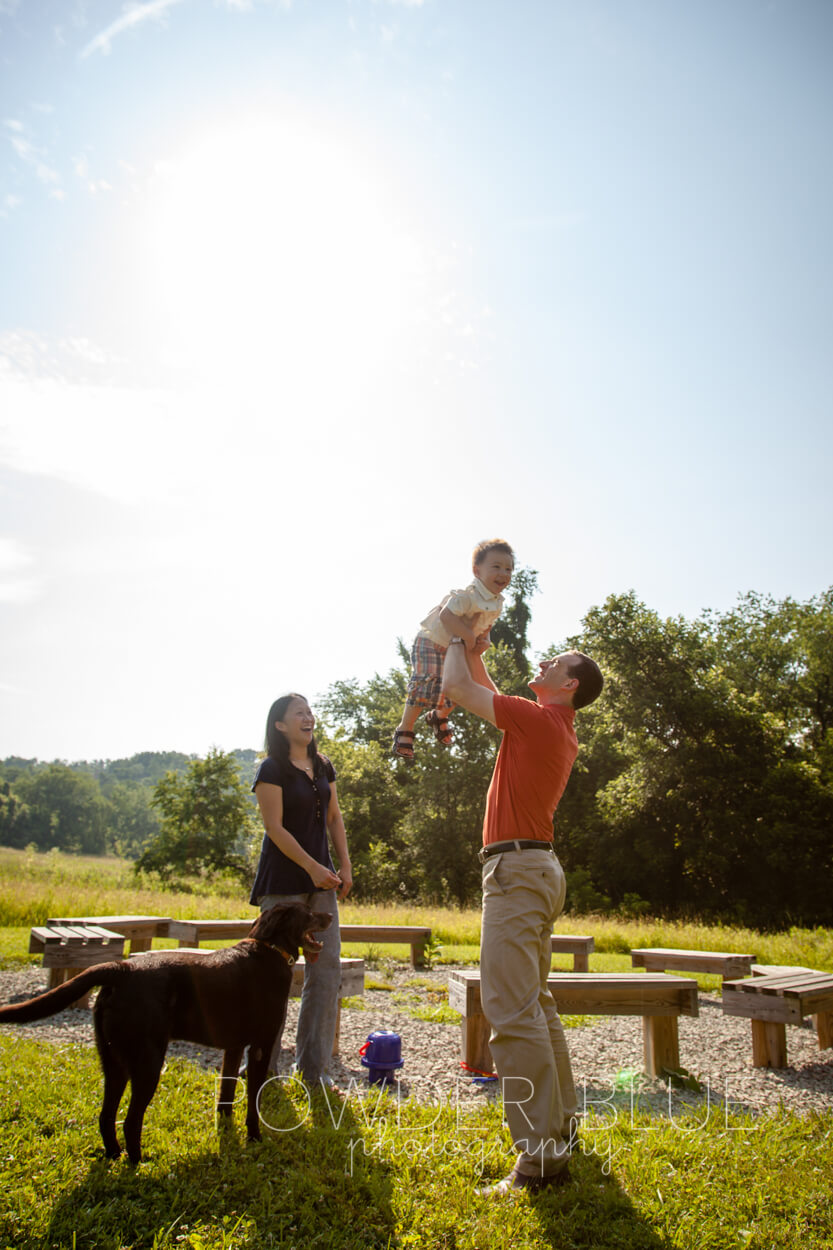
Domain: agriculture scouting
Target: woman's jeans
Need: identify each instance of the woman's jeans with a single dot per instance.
(319, 1001)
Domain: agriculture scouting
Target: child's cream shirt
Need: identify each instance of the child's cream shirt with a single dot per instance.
(476, 604)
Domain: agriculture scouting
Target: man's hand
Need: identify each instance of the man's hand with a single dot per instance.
(474, 690)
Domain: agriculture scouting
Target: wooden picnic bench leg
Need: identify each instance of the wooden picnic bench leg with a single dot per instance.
(189, 942)
(418, 953)
(824, 1029)
(141, 944)
(476, 1052)
(769, 1044)
(337, 1034)
(581, 962)
(660, 1044)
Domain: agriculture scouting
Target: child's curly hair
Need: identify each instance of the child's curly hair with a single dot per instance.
(488, 546)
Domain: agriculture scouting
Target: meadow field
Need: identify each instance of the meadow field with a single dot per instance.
(372, 1172)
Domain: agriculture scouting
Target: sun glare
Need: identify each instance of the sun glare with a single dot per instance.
(269, 248)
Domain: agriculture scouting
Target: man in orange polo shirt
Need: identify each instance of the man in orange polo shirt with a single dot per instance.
(523, 894)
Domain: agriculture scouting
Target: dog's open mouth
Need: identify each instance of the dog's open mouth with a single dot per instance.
(311, 945)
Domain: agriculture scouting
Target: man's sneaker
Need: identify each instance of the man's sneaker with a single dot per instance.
(516, 1182)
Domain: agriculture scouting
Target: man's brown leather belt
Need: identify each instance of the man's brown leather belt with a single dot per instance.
(519, 844)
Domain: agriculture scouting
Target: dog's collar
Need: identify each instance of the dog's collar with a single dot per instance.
(290, 959)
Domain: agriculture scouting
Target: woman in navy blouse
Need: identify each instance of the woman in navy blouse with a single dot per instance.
(295, 787)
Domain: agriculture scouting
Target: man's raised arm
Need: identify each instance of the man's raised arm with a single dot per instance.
(474, 690)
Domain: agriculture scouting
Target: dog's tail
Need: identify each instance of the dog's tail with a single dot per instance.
(63, 995)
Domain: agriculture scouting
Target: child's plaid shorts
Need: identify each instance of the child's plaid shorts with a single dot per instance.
(426, 675)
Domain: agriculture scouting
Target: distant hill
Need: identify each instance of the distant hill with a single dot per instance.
(146, 766)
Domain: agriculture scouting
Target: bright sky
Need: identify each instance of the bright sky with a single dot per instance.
(300, 300)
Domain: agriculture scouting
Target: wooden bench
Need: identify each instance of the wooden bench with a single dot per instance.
(773, 1001)
(414, 936)
(728, 964)
(138, 930)
(658, 998)
(68, 949)
(578, 947)
(192, 932)
(777, 970)
(352, 979)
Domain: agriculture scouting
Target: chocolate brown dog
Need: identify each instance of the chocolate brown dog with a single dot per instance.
(229, 998)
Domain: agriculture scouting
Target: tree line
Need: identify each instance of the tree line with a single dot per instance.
(92, 807)
(704, 782)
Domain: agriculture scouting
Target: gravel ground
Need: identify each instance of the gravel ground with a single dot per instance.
(714, 1047)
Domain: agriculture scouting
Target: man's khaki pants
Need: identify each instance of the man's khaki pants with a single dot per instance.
(523, 894)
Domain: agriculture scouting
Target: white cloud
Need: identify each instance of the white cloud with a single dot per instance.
(134, 16)
(12, 556)
(34, 157)
(82, 168)
(13, 560)
(549, 221)
(24, 354)
(85, 350)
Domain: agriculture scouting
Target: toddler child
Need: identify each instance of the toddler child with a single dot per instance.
(468, 614)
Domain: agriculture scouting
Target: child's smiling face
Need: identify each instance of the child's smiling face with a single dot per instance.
(495, 571)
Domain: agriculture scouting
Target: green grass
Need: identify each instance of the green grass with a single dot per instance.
(35, 886)
(387, 1176)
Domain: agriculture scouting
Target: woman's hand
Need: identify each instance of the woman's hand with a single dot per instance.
(322, 877)
(346, 874)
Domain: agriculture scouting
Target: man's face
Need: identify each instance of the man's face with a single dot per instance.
(553, 677)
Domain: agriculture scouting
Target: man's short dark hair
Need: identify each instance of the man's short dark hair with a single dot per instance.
(590, 680)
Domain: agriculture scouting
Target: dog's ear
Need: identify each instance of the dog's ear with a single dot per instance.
(287, 925)
(270, 926)
(298, 925)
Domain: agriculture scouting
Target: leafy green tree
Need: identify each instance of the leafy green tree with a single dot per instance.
(783, 652)
(207, 823)
(64, 809)
(144, 767)
(132, 821)
(371, 804)
(693, 788)
(512, 626)
(14, 817)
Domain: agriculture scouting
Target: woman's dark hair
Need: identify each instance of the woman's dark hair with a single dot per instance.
(277, 744)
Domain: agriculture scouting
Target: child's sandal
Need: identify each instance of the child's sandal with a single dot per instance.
(405, 750)
(439, 724)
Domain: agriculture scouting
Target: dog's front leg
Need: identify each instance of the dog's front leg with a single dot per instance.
(256, 1074)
